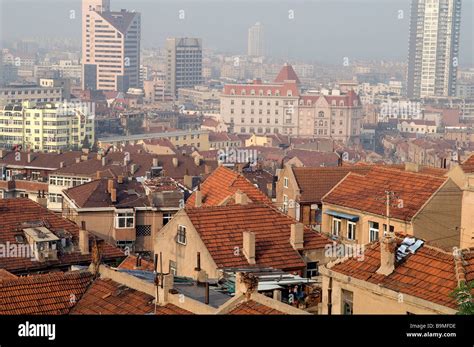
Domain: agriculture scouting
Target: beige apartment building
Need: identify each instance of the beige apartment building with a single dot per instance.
(279, 108)
(463, 176)
(110, 47)
(387, 280)
(46, 127)
(425, 206)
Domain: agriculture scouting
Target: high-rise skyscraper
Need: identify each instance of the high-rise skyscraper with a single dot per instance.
(433, 48)
(255, 41)
(183, 64)
(110, 47)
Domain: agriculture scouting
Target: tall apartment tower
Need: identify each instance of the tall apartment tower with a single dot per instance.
(110, 47)
(255, 41)
(433, 48)
(183, 64)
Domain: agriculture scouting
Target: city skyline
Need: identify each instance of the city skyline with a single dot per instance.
(351, 27)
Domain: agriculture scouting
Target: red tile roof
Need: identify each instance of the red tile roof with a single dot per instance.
(252, 307)
(314, 158)
(95, 194)
(52, 293)
(315, 182)
(287, 73)
(105, 296)
(130, 263)
(366, 193)
(222, 184)
(14, 212)
(221, 229)
(468, 165)
(429, 274)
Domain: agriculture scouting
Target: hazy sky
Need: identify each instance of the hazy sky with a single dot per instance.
(322, 30)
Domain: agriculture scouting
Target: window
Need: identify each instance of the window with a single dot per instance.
(285, 204)
(285, 182)
(373, 231)
(347, 302)
(167, 217)
(312, 269)
(392, 229)
(181, 237)
(173, 268)
(124, 220)
(351, 230)
(143, 230)
(336, 226)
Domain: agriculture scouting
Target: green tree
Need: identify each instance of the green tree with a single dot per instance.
(463, 296)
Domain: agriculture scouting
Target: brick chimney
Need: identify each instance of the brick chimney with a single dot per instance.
(84, 239)
(412, 167)
(388, 246)
(249, 246)
(246, 284)
(297, 236)
(175, 162)
(113, 195)
(110, 185)
(198, 198)
(188, 181)
(241, 198)
(41, 199)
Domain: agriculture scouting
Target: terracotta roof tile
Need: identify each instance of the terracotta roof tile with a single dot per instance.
(14, 212)
(468, 165)
(222, 184)
(315, 182)
(429, 273)
(252, 307)
(53, 293)
(365, 193)
(221, 229)
(130, 262)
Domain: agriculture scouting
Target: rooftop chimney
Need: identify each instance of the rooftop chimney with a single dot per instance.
(2, 153)
(249, 246)
(120, 179)
(113, 195)
(30, 157)
(133, 168)
(297, 236)
(155, 161)
(41, 199)
(412, 167)
(61, 164)
(78, 160)
(241, 198)
(103, 161)
(246, 283)
(198, 198)
(175, 162)
(388, 247)
(110, 185)
(188, 181)
(84, 239)
(197, 160)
